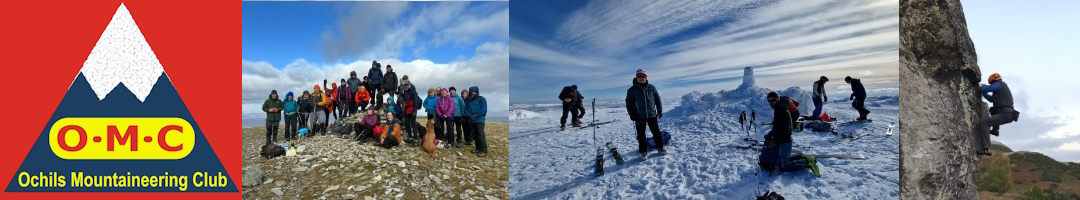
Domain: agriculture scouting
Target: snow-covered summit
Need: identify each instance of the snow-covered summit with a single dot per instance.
(726, 105)
(122, 55)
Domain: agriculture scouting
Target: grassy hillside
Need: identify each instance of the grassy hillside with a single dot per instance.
(1031, 175)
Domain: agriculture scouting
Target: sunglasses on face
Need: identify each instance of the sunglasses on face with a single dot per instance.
(773, 100)
(642, 76)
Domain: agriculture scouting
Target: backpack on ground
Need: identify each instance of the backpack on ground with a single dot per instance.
(820, 126)
(768, 157)
(271, 150)
(337, 128)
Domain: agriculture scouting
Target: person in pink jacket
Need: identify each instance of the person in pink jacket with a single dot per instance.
(365, 128)
(444, 115)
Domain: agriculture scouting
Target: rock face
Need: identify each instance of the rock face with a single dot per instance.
(939, 79)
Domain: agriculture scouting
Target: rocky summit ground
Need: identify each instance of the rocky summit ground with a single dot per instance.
(335, 168)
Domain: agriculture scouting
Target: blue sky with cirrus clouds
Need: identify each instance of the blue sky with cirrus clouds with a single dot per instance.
(700, 45)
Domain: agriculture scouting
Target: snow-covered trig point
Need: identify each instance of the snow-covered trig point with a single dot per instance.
(702, 163)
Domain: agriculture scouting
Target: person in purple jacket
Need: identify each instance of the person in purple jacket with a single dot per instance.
(365, 127)
(444, 114)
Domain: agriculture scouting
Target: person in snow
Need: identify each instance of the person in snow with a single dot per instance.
(444, 116)
(411, 104)
(365, 127)
(476, 110)
(1001, 112)
(390, 83)
(391, 132)
(458, 121)
(305, 108)
(819, 95)
(291, 109)
(354, 86)
(362, 97)
(580, 106)
(376, 76)
(273, 107)
(465, 120)
(429, 105)
(319, 117)
(570, 103)
(858, 96)
(780, 135)
(644, 107)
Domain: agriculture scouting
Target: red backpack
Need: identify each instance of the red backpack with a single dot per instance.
(794, 104)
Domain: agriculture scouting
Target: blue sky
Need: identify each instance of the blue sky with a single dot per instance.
(291, 46)
(700, 45)
(1034, 48)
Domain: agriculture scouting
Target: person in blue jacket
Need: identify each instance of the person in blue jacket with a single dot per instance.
(291, 116)
(644, 107)
(1002, 112)
(459, 121)
(475, 111)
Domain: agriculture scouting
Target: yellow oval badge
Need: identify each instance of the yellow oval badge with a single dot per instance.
(79, 138)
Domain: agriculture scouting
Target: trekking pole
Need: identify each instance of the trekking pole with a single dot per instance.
(594, 122)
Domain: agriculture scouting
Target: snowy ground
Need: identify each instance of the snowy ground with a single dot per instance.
(701, 163)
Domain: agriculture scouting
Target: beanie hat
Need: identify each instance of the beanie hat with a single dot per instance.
(772, 95)
(824, 78)
(847, 79)
(406, 77)
(453, 89)
(273, 91)
(573, 87)
(287, 95)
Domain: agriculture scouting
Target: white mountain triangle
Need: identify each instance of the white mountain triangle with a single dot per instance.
(122, 55)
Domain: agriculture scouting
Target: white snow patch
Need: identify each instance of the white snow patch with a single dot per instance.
(122, 55)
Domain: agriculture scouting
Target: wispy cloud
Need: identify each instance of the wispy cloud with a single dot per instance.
(703, 45)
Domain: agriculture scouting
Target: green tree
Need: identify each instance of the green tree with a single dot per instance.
(997, 177)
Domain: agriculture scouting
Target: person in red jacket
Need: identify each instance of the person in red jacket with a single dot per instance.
(362, 97)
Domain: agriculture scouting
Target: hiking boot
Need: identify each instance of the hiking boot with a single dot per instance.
(644, 155)
(577, 125)
(994, 132)
(468, 143)
(481, 154)
(662, 151)
(813, 165)
(562, 127)
(474, 151)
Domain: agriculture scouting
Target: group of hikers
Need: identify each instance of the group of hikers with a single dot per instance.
(644, 107)
(459, 120)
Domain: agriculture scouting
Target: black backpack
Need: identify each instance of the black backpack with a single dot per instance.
(271, 150)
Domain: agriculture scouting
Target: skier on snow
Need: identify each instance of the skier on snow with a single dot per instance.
(643, 105)
(1001, 113)
(858, 95)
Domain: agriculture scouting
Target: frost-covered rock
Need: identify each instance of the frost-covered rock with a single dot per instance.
(726, 105)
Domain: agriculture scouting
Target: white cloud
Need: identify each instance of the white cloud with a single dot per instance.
(488, 69)
(790, 43)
